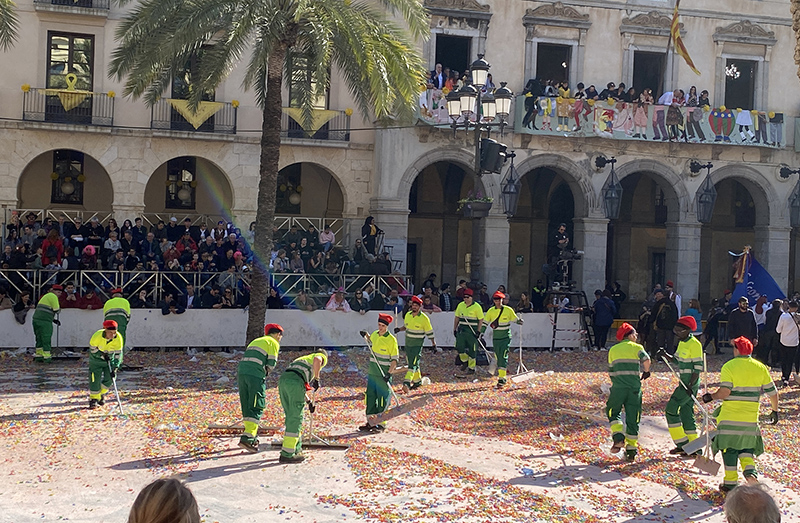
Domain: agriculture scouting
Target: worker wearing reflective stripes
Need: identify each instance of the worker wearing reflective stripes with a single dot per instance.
(499, 318)
(467, 324)
(119, 310)
(417, 327)
(43, 319)
(105, 358)
(742, 381)
(624, 360)
(259, 359)
(299, 377)
(382, 362)
(680, 407)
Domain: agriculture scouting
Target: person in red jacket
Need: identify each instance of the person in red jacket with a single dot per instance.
(90, 301)
(52, 249)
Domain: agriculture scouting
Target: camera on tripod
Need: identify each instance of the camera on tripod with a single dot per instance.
(570, 255)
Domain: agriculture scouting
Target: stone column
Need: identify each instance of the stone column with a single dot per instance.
(394, 223)
(771, 249)
(495, 259)
(538, 250)
(130, 212)
(590, 237)
(449, 248)
(683, 259)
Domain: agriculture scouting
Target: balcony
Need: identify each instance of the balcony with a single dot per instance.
(88, 7)
(618, 122)
(68, 106)
(172, 114)
(325, 125)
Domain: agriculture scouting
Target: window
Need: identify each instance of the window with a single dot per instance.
(552, 62)
(660, 206)
(301, 74)
(740, 83)
(70, 64)
(67, 177)
(181, 87)
(453, 52)
(287, 196)
(181, 183)
(648, 71)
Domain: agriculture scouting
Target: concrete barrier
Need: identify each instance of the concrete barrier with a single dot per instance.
(226, 328)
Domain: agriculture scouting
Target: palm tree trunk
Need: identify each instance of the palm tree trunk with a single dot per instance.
(267, 185)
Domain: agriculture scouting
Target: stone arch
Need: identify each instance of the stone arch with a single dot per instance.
(573, 174)
(329, 164)
(333, 177)
(459, 157)
(34, 183)
(768, 203)
(214, 197)
(679, 201)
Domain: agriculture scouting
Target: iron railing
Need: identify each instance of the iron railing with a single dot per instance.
(86, 4)
(49, 105)
(335, 129)
(156, 284)
(164, 116)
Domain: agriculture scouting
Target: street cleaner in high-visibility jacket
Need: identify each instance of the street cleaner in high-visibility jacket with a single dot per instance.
(105, 358)
(742, 381)
(259, 359)
(467, 325)
(382, 362)
(301, 376)
(624, 362)
(417, 325)
(499, 318)
(680, 407)
(43, 319)
(119, 310)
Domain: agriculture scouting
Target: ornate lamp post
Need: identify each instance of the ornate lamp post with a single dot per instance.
(794, 197)
(706, 194)
(612, 193)
(511, 189)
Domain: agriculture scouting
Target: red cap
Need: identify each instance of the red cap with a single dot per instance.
(467, 292)
(727, 291)
(57, 287)
(118, 290)
(689, 322)
(743, 345)
(624, 329)
(670, 284)
(109, 324)
(497, 295)
(416, 299)
(269, 326)
(386, 319)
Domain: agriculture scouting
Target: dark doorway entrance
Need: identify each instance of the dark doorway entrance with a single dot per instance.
(552, 62)
(411, 262)
(453, 52)
(648, 71)
(658, 269)
(739, 84)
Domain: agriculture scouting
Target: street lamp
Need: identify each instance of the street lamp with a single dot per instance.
(511, 189)
(706, 194)
(503, 98)
(479, 71)
(612, 194)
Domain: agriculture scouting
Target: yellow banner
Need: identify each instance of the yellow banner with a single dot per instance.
(204, 111)
(319, 118)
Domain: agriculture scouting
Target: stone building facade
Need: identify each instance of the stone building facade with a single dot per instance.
(132, 159)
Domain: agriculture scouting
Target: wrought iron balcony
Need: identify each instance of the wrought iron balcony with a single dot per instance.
(84, 4)
(326, 125)
(68, 106)
(211, 117)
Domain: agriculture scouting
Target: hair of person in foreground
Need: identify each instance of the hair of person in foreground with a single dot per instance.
(751, 504)
(165, 501)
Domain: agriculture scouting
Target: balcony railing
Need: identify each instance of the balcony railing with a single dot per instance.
(86, 4)
(210, 117)
(68, 106)
(629, 121)
(326, 125)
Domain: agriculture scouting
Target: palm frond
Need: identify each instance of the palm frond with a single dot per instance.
(9, 24)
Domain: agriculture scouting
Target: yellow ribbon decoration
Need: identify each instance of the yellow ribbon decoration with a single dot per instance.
(70, 97)
(319, 118)
(197, 118)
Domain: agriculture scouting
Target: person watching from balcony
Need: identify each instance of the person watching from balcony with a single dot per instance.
(316, 264)
(159, 230)
(186, 245)
(609, 92)
(211, 299)
(96, 233)
(69, 299)
(90, 300)
(337, 302)
(139, 231)
(304, 302)
(437, 79)
(141, 301)
(149, 248)
(359, 303)
(275, 300)
(174, 232)
(52, 249)
(327, 239)
(127, 241)
(169, 305)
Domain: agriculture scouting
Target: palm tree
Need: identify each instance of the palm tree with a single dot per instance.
(9, 24)
(288, 41)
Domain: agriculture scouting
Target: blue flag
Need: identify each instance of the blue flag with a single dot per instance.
(756, 282)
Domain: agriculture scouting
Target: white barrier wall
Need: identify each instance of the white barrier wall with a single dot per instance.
(226, 328)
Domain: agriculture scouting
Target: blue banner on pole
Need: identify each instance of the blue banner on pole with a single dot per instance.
(757, 282)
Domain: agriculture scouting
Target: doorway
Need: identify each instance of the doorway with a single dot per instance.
(740, 84)
(453, 52)
(552, 62)
(648, 71)
(659, 269)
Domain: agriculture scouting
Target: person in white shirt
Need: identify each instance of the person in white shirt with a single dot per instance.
(790, 337)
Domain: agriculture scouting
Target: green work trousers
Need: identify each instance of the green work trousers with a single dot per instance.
(99, 377)
(730, 458)
(378, 395)
(680, 417)
(292, 391)
(252, 391)
(122, 326)
(43, 331)
(413, 355)
(500, 346)
(465, 345)
(629, 399)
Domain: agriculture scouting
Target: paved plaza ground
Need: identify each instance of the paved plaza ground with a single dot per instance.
(474, 455)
